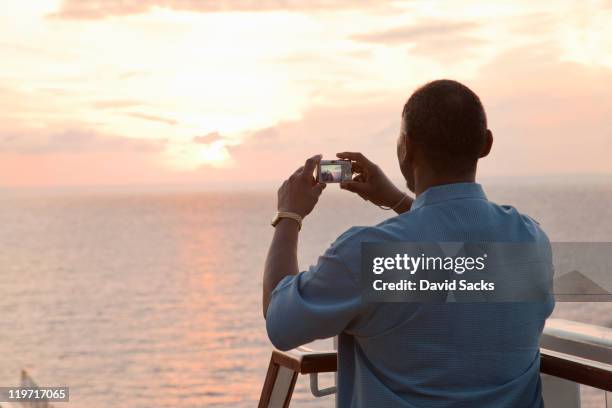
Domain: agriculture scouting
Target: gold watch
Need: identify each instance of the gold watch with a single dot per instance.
(285, 214)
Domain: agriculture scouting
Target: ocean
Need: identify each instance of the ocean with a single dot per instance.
(153, 298)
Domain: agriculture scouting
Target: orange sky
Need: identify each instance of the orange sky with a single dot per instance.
(99, 92)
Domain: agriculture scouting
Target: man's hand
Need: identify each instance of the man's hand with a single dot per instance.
(300, 192)
(371, 183)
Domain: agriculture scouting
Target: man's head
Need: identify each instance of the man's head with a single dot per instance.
(444, 132)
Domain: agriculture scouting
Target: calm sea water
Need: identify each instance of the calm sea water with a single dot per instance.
(153, 299)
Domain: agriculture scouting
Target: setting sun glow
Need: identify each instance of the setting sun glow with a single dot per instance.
(90, 83)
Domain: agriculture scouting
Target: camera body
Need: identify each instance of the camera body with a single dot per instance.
(334, 171)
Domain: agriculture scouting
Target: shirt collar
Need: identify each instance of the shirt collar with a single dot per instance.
(447, 192)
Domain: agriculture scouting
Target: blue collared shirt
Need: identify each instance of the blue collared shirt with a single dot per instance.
(419, 354)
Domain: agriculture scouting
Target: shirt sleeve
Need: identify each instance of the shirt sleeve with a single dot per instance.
(315, 304)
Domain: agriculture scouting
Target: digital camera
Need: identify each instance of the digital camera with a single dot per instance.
(334, 171)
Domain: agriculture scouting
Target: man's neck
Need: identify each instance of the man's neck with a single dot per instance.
(430, 179)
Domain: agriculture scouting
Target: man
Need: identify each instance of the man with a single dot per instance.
(412, 354)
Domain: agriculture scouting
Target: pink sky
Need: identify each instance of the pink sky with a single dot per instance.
(111, 92)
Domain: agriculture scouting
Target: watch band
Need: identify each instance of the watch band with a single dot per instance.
(286, 214)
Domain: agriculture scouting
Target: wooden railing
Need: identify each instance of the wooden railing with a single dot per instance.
(580, 370)
(283, 371)
(578, 360)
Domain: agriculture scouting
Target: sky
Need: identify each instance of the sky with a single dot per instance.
(219, 92)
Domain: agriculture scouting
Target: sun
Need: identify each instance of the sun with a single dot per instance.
(191, 156)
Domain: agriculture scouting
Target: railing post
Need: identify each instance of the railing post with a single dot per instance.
(278, 386)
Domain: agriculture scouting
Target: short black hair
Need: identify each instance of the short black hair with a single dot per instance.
(447, 121)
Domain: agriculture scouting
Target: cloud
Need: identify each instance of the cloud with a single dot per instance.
(412, 33)
(25, 49)
(548, 116)
(278, 150)
(208, 138)
(533, 24)
(117, 103)
(447, 49)
(73, 141)
(153, 118)
(133, 74)
(439, 40)
(269, 134)
(97, 9)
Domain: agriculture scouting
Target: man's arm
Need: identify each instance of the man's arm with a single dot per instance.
(371, 184)
(282, 258)
(298, 194)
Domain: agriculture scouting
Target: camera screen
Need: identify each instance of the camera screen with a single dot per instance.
(334, 172)
(331, 173)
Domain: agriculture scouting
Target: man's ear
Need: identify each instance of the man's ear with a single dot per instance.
(488, 144)
(409, 148)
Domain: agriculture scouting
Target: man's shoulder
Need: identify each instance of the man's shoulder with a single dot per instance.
(358, 234)
(393, 229)
(531, 226)
(433, 223)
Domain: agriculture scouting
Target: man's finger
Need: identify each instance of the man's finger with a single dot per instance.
(356, 157)
(318, 188)
(357, 168)
(311, 165)
(354, 186)
(298, 171)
